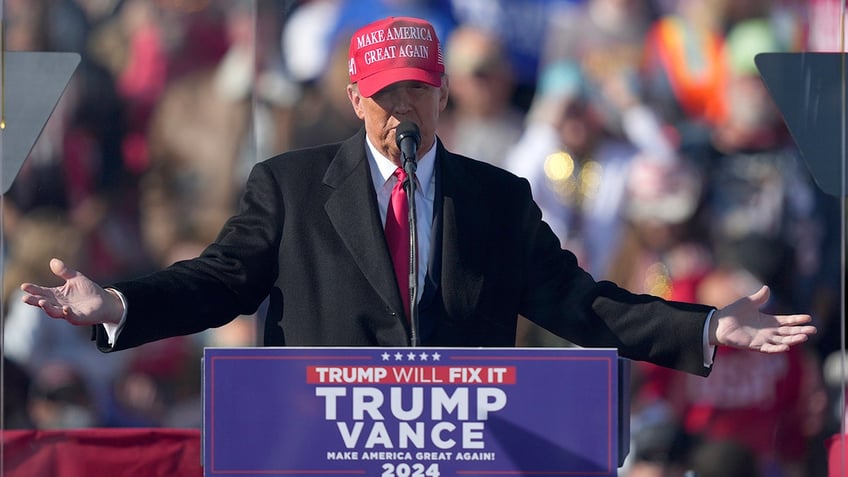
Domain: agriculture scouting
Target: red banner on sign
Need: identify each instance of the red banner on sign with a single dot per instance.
(410, 374)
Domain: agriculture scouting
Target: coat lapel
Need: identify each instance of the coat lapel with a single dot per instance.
(465, 227)
(464, 223)
(353, 211)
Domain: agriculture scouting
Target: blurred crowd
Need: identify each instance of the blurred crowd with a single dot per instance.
(651, 143)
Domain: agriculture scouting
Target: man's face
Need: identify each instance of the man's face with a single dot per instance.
(403, 101)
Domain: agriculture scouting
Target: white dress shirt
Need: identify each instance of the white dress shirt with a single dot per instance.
(382, 173)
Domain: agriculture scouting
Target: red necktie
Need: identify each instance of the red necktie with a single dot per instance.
(397, 236)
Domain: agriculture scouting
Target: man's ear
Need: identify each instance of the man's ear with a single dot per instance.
(355, 100)
(444, 93)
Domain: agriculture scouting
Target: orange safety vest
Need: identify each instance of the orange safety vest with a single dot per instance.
(693, 62)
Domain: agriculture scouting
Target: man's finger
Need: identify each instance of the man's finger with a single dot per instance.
(30, 299)
(787, 320)
(774, 348)
(795, 339)
(33, 289)
(797, 330)
(52, 310)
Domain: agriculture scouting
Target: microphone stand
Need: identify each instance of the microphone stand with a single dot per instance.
(410, 165)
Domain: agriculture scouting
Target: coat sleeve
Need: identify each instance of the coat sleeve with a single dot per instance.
(230, 278)
(566, 300)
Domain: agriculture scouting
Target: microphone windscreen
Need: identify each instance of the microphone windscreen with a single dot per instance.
(407, 130)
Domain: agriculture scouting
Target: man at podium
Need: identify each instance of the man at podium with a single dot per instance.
(309, 236)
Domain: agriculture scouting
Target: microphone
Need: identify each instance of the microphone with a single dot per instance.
(408, 138)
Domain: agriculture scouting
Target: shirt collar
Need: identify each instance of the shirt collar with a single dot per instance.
(385, 168)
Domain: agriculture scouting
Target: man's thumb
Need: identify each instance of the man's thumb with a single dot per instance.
(61, 270)
(761, 296)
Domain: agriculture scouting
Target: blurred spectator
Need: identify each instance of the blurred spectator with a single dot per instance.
(307, 39)
(577, 171)
(68, 25)
(523, 29)
(663, 251)
(577, 168)
(835, 371)
(605, 38)
(825, 31)
(786, 18)
(752, 120)
(131, 43)
(95, 10)
(59, 399)
(16, 386)
(659, 450)
(724, 458)
(683, 71)
(322, 112)
(160, 386)
(202, 139)
(480, 121)
(25, 28)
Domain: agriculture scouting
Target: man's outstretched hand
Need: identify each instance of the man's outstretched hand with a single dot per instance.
(79, 300)
(742, 325)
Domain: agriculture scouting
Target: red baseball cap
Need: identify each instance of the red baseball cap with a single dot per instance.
(395, 49)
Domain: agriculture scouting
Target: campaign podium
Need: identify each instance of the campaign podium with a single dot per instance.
(414, 411)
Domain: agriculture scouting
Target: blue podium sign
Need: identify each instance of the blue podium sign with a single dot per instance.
(408, 412)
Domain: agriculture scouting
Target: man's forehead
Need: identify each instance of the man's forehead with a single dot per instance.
(405, 84)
